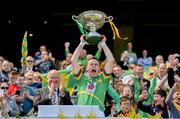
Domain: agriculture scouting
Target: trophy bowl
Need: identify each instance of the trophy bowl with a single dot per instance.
(91, 20)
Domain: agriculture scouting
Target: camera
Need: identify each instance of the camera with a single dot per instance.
(18, 92)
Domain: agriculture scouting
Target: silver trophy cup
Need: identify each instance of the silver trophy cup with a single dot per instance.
(92, 20)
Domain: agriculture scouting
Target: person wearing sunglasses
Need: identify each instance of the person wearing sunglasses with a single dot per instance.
(29, 65)
(8, 106)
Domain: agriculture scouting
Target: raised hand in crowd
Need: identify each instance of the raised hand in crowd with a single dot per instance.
(66, 44)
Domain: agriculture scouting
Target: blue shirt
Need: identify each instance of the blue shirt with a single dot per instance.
(27, 104)
(145, 62)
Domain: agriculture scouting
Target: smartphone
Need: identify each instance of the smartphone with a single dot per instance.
(1, 92)
(18, 92)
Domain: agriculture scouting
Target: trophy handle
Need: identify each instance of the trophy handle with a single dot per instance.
(75, 18)
(110, 18)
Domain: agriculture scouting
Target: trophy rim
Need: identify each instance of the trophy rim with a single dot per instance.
(92, 11)
(102, 17)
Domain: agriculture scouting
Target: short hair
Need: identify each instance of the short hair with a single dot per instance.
(160, 92)
(116, 65)
(93, 58)
(52, 71)
(138, 65)
(124, 98)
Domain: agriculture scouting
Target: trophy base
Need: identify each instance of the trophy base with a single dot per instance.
(93, 38)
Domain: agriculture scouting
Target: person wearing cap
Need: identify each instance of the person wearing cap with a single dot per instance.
(8, 106)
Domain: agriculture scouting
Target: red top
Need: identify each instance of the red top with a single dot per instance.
(12, 89)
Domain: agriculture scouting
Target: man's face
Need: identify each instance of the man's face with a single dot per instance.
(176, 97)
(20, 81)
(13, 78)
(6, 66)
(144, 53)
(129, 46)
(125, 106)
(117, 72)
(53, 78)
(92, 68)
(83, 53)
(30, 61)
(138, 70)
(3, 89)
(42, 48)
(159, 60)
(162, 69)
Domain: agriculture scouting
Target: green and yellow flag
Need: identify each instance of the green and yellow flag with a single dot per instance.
(24, 48)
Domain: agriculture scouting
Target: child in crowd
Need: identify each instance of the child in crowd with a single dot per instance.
(126, 109)
(158, 108)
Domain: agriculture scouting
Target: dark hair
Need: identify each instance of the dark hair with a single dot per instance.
(162, 93)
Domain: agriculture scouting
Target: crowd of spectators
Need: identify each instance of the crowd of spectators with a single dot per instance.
(136, 87)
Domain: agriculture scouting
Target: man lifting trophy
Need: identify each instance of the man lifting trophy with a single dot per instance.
(93, 20)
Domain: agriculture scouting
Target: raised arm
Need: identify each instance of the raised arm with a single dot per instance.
(76, 54)
(109, 57)
(151, 90)
(162, 82)
(98, 53)
(66, 45)
(177, 78)
(116, 97)
(169, 98)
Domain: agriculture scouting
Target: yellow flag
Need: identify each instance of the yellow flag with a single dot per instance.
(24, 48)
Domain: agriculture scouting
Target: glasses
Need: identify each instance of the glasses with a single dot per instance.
(4, 87)
(30, 61)
(151, 73)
